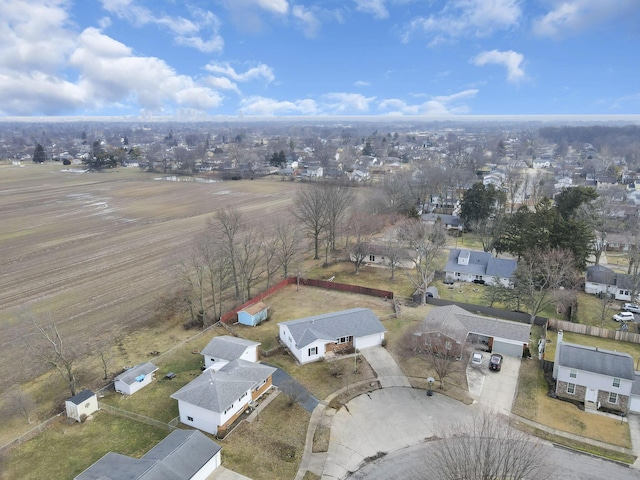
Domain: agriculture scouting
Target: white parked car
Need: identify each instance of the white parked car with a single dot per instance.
(624, 317)
(476, 359)
(631, 307)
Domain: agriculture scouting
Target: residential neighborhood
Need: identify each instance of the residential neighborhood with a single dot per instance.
(493, 290)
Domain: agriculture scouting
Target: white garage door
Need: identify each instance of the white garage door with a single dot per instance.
(505, 348)
(368, 341)
(634, 404)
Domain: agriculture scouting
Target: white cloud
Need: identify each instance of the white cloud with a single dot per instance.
(187, 32)
(361, 83)
(262, 106)
(438, 105)
(509, 59)
(572, 16)
(261, 71)
(375, 7)
(275, 6)
(308, 21)
(466, 18)
(223, 83)
(346, 102)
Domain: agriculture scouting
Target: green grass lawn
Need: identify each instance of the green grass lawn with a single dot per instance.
(64, 450)
(632, 349)
(533, 403)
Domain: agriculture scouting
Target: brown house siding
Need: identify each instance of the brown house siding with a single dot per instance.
(258, 392)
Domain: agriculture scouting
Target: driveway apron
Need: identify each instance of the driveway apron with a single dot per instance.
(388, 371)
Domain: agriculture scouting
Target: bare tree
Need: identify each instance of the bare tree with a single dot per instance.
(194, 275)
(216, 271)
(18, 401)
(226, 226)
(600, 216)
(50, 348)
(442, 347)
(425, 242)
(485, 447)
(543, 277)
(287, 241)
(338, 199)
(311, 210)
(250, 260)
(362, 226)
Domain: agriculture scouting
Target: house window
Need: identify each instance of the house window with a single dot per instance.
(573, 373)
(616, 382)
(458, 274)
(613, 398)
(190, 419)
(478, 277)
(447, 345)
(228, 409)
(242, 396)
(372, 258)
(344, 339)
(571, 388)
(313, 351)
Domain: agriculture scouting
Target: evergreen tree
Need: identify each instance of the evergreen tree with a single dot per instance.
(39, 155)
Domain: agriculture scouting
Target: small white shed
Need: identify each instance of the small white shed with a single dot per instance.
(135, 378)
(81, 405)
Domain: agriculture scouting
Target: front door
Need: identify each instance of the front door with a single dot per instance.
(591, 395)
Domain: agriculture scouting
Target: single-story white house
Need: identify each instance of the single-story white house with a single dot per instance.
(253, 315)
(602, 280)
(135, 378)
(182, 455)
(81, 405)
(480, 267)
(380, 255)
(214, 400)
(224, 349)
(310, 339)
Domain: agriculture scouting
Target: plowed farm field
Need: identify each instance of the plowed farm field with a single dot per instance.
(92, 252)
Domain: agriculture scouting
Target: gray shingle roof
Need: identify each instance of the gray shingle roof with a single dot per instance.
(180, 455)
(596, 360)
(129, 376)
(80, 397)
(227, 347)
(217, 391)
(358, 322)
(601, 274)
(454, 317)
(480, 263)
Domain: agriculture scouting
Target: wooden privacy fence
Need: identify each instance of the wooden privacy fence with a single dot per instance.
(620, 335)
(232, 315)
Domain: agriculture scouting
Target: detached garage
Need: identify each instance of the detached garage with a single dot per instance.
(135, 378)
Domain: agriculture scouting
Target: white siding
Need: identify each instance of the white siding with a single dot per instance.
(208, 468)
(505, 347)
(595, 380)
(122, 387)
(368, 341)
(203, 419)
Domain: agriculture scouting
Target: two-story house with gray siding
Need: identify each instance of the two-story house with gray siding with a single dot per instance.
(600, 379)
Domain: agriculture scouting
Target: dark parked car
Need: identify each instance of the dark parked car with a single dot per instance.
(495, 362)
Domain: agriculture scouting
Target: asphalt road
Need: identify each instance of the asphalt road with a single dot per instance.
(408, 464)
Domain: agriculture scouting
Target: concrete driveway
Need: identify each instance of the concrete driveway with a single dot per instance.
(385, 366)
(495, 390)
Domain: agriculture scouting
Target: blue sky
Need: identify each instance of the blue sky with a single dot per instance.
(319, 57)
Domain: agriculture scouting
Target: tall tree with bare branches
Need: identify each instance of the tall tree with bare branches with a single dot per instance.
(311, 210)
(49, 347)
(425, 243)
(485, 447)
(288, 238)
(226, 226)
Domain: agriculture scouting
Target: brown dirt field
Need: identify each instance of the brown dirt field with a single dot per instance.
(93, 251)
